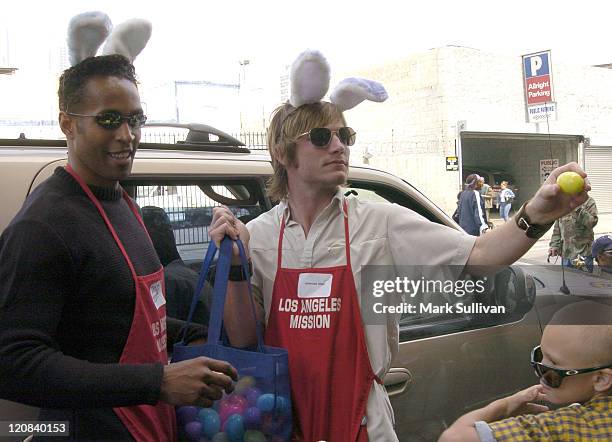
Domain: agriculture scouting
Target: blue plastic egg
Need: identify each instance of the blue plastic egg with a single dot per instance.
(210, 420)
(234, 427)
(265, 402)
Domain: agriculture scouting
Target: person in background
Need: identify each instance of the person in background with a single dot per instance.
(602, 254)
(180, 280)
(573, 236)
(471, 209)
(486, 192)
(506, 197)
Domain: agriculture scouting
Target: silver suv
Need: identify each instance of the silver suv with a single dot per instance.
(447, 364)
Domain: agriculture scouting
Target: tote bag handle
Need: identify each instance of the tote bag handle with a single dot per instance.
(220, 290)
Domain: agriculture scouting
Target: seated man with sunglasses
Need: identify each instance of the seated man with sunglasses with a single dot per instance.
(574, 364)
(83, 327)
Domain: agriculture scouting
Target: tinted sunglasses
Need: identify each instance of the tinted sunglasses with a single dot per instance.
(112, 120)
(321, 136)
(552, 376)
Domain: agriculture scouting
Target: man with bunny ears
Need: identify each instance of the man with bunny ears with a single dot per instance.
(83, 327)
(311, 248)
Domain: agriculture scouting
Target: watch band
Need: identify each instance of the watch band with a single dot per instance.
(523, 222)
(236, 273)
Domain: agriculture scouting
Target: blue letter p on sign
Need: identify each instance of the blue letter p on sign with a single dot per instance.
(537, 65)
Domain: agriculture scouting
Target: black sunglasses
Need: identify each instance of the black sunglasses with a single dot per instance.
(553, 376)
(112, 120)
(321, 136)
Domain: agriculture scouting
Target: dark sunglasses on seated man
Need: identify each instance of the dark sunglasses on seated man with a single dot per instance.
(112, 120)
(321, 136)
(552, 376)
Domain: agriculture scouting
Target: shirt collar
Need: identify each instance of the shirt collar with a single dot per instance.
(600, 403)
(282, 209)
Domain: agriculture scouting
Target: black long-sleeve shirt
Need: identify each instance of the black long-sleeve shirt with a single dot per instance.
(66, 305)
(471, 212)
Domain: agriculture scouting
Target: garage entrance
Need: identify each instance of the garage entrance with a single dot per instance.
(598, 165)
(515, 157)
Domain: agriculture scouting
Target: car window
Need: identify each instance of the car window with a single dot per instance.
(188, 206)
(432, 319)
(507, 296)
(379, 192)
(436, 322)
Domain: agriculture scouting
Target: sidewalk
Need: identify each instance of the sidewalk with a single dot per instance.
(604, 225)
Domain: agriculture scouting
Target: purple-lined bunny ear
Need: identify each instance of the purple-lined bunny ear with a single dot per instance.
(309, 78)
(86, 33)
(352, 91)
(128, 38)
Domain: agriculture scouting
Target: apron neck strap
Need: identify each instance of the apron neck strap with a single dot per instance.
(109, 225)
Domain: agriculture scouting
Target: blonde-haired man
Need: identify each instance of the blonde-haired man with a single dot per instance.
(314, 245)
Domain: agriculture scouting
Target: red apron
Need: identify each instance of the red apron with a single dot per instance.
(315, 315)
(146, 343)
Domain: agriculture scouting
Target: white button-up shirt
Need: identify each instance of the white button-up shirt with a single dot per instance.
(380, 234)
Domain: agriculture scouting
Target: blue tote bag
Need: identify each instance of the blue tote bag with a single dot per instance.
(259, 408)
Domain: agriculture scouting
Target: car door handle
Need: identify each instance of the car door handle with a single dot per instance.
(397, 381)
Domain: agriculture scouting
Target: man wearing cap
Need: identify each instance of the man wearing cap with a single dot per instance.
(602, 253)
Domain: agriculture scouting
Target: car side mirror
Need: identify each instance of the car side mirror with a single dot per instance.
(514, 290)
(509, 296)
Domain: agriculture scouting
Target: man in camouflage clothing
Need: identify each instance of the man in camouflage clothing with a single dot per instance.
(573, 235)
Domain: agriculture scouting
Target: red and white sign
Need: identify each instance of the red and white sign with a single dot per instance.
(537, 74)
(539, 97)
(539, 90)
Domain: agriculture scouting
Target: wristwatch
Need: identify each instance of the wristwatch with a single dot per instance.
(236, 273)
(532, 230)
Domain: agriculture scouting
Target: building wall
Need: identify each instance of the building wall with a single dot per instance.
(405, 135)
(487, 91)
(430, 92)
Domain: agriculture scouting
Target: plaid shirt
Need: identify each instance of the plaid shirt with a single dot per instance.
(589, 422)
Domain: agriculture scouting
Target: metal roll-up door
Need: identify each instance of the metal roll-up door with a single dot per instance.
(598, 165)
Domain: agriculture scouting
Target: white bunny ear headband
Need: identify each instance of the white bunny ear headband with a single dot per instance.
(87, 32)
(309, 79)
